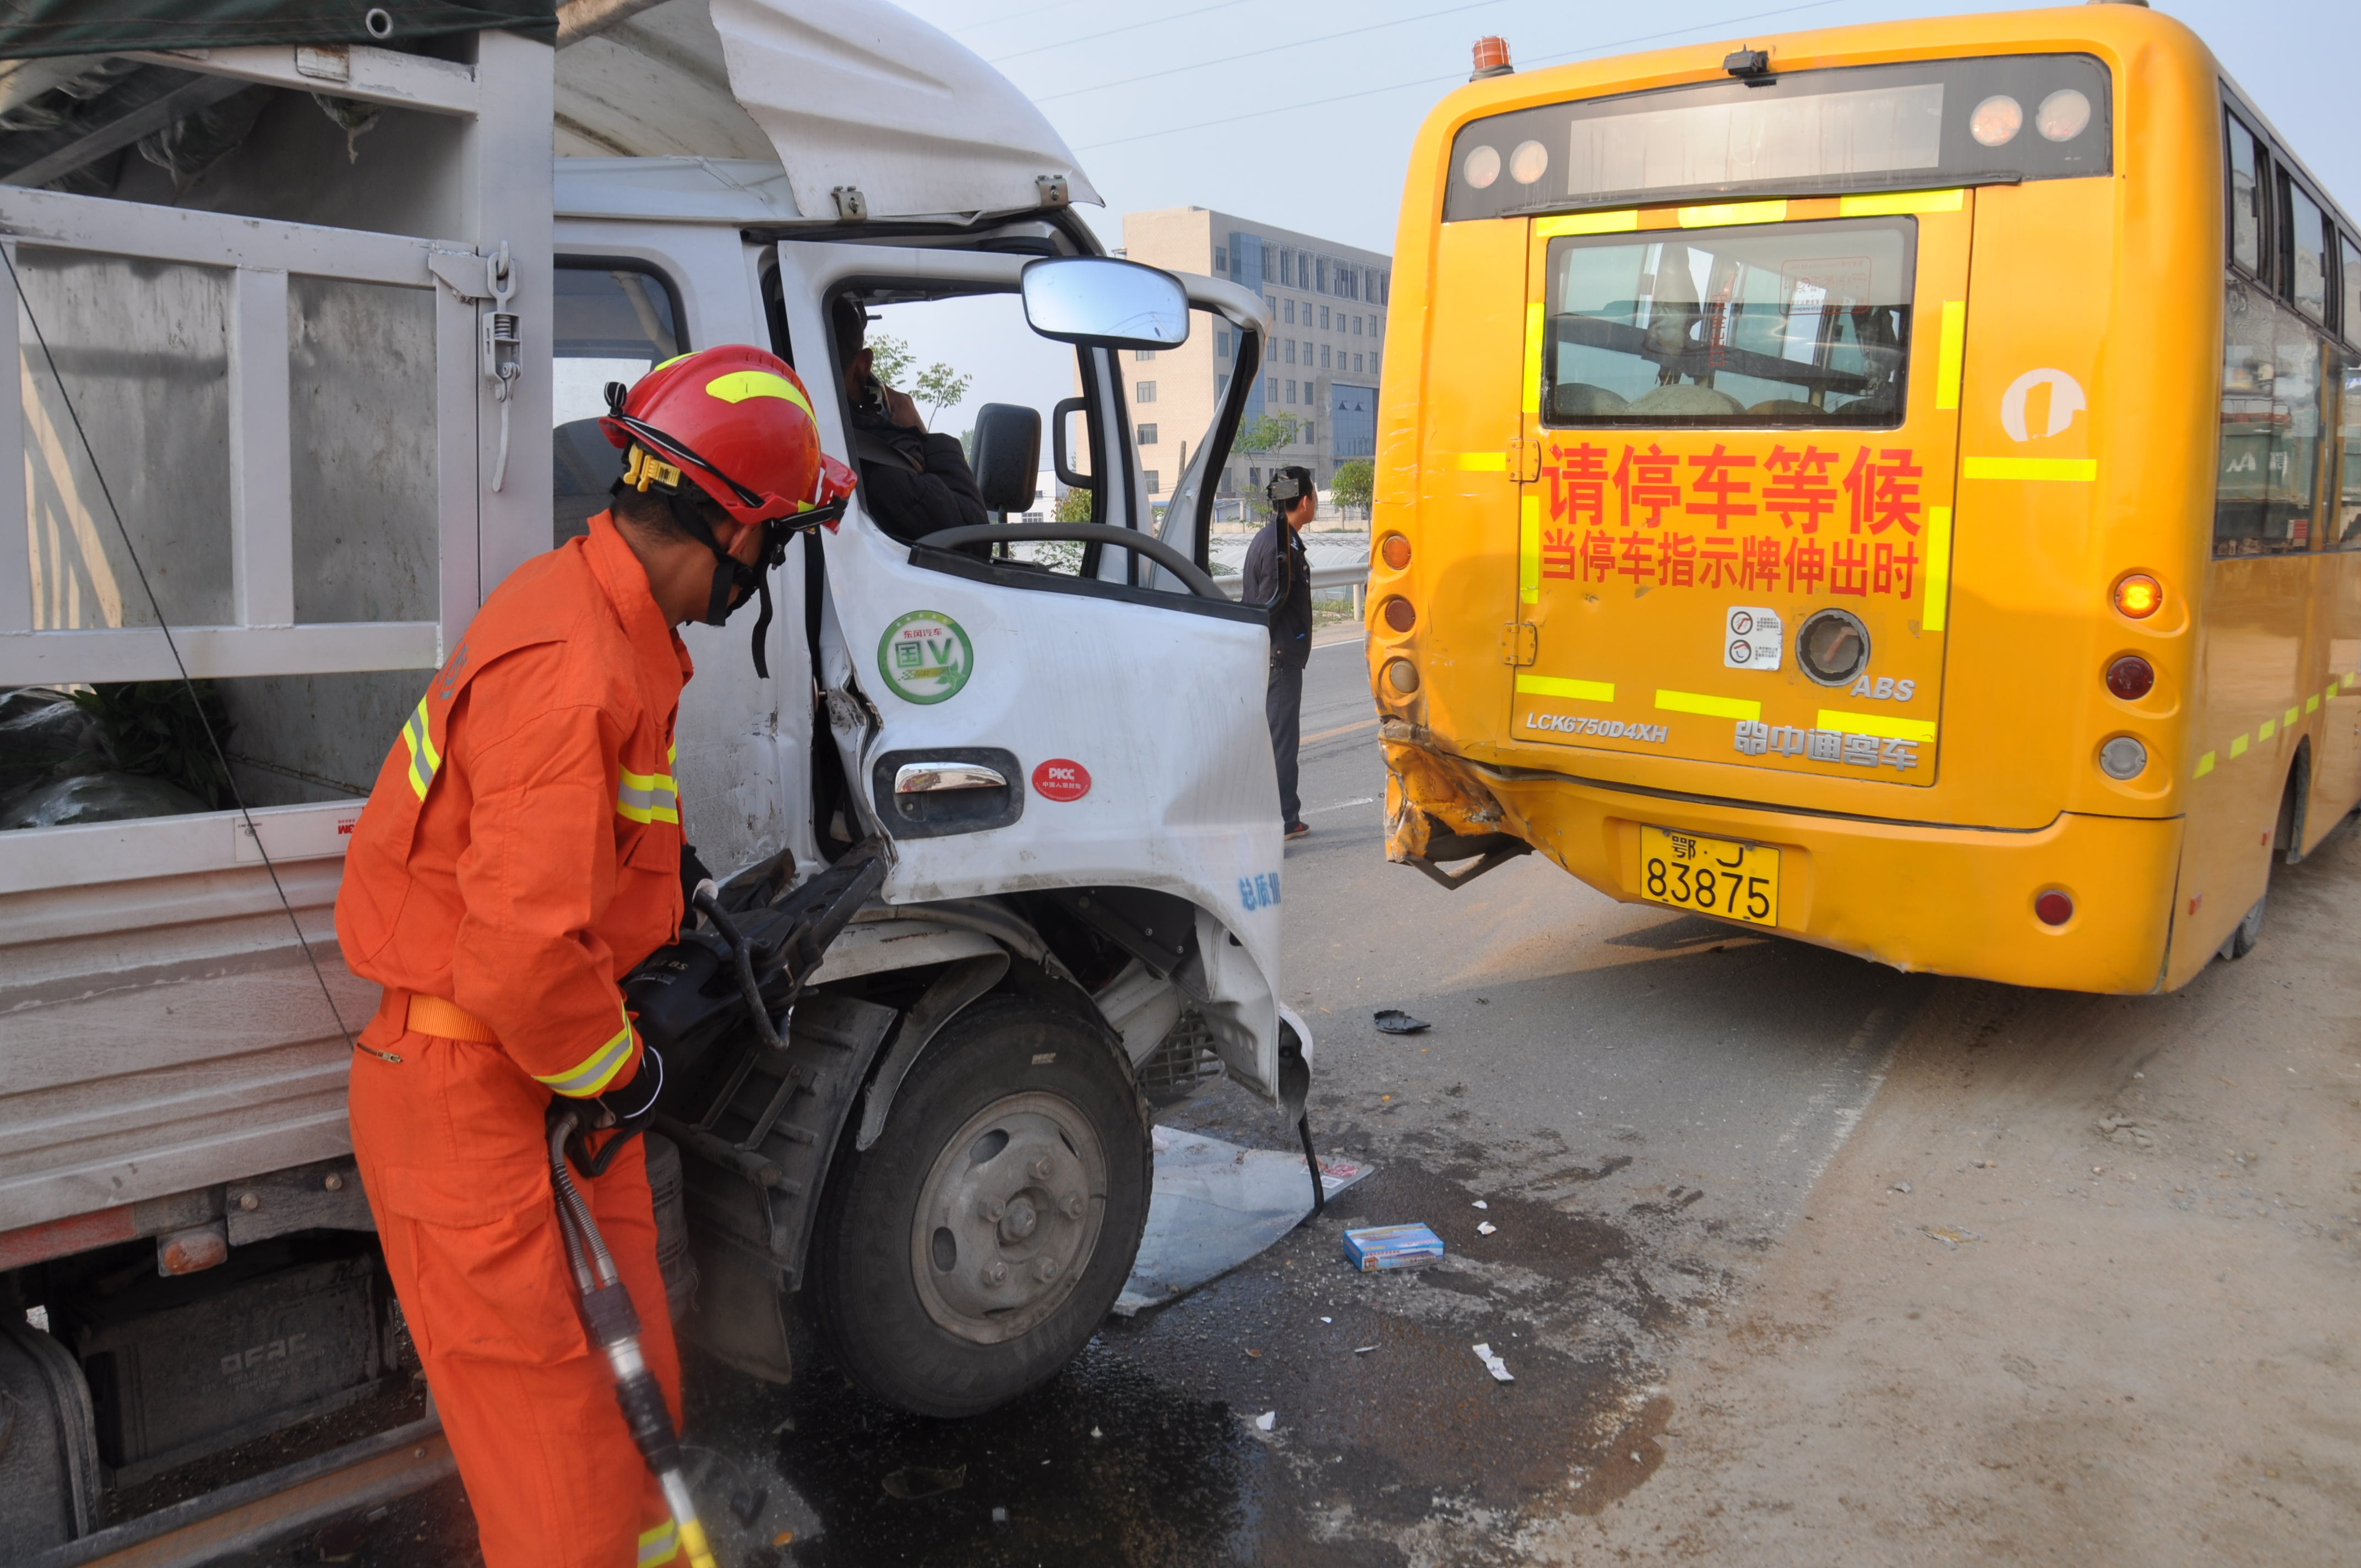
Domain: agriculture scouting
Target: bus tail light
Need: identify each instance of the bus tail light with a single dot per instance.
(1402, 675)
(2122, 758)
(2053, 909)
(2131, 677)
(1394, 551)
(2138, 596)
(1398, 615)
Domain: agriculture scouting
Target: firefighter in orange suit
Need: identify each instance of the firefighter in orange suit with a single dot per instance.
(521, 853)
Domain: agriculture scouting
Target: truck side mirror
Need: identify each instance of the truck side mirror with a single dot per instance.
(1098, 301)
(1007, 456)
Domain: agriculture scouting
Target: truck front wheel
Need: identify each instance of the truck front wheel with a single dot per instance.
(978, 1244)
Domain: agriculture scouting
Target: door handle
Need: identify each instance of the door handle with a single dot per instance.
(927, 777)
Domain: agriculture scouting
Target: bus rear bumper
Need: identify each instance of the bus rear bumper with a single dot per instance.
(1948, 900)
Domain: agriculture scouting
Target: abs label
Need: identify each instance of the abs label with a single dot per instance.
(1885, 688)
(1609, 728)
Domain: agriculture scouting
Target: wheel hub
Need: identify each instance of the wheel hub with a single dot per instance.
(1008, 1217)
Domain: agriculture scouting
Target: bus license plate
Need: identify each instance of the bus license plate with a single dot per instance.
(1712, 876)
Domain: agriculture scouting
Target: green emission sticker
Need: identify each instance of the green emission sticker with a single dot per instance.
(925, 656)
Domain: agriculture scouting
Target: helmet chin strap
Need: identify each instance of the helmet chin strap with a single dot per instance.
(730, 576)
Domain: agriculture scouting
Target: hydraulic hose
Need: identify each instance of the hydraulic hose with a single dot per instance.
(615, 1329)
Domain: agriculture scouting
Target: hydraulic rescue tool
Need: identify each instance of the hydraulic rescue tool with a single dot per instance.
(615, 1328)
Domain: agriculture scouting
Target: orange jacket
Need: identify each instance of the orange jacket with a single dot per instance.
(522, 849)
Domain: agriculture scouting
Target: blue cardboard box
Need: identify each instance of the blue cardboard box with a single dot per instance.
(1391, 1247)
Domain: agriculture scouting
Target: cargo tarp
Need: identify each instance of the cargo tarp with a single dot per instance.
(32, 27)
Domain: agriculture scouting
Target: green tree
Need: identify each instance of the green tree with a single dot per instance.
(1267, 434)
(889, 358)
(938, 387)
(1353, 483)
(1074, 506)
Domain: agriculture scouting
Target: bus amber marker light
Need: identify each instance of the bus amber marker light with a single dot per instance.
(2138, 596)
(2131, 677)
(1394, 551)
(1399, 615)
(2053, 909)
(1402, 675)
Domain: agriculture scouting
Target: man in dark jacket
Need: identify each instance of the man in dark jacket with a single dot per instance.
(1277, 574)
(912, 483)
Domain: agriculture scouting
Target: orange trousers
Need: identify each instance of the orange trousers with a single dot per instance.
(455, 1162)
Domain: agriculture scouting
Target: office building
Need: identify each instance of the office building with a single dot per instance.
(1320, 367)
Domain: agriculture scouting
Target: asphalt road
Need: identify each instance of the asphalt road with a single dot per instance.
(1641, 1099)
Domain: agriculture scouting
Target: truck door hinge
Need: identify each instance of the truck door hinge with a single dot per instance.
(1520, 642)
(1524, 461)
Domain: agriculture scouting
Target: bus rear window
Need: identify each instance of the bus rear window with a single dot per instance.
(1920, 125)
(1780, 325)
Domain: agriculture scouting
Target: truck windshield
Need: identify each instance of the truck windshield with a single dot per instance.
(1786, 324)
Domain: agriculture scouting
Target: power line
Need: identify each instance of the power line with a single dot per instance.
(1431, 80)
(1298, 43)
(1127, 27)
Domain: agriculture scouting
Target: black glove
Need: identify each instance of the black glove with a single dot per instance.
(629, 1102)
(693, 874)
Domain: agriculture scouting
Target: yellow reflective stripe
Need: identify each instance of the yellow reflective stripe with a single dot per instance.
(1720, 214)
(424, 757)
(1481, 462)
(1939, 568)
(1890, 204)
(1529, 550)
(595, 1070)
(648, 798)
(2266, 731)
(1951, 353)
(2294, 717)
(1586, 223)
(1711, 707)
(661, 1544)
(2238, 746)
(740, 385)
(2204, 766)
(1563, 686)
(1533, 357)
(2082, 470)
(1881, 724)
(2311, 704)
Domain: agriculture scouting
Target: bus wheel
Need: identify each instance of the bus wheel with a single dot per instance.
(979, 1244)
(2243, 934)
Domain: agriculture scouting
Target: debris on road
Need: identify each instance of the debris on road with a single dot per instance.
(1363, 1349)
(1394, 1021)
(1212, 1205)
(915, 1481)
(1486, 1228)
(1265, 1421)
(1494, 1365)
(1950, 1235)
(1479, 1203)
(1391, 1247)
(1903, 1188)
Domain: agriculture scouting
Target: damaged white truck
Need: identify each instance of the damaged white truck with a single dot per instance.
(311, 334)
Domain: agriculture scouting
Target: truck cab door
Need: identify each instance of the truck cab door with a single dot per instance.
(1008, 727)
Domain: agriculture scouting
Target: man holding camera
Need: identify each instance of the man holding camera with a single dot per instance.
(1277, 574)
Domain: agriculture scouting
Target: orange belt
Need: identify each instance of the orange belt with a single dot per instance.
(433, 1015)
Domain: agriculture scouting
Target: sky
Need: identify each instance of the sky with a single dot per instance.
(1301, 113)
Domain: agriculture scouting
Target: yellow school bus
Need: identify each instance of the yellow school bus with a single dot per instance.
(1897, 485)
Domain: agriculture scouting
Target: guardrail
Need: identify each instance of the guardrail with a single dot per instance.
(1324, 579)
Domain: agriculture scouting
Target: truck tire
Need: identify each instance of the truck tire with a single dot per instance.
(972, 1250)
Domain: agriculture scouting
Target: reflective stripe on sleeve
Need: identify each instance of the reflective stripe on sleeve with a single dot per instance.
(424, 757)
(597, 1071)
(648, 798)
(661, 1544)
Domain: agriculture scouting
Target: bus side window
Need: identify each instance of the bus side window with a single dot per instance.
(2348, 496)
(2245, 200)
(2351, 273)
(2274, 409)
(2307, 250)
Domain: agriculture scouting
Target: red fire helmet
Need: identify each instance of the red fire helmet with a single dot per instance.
(734, 420)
